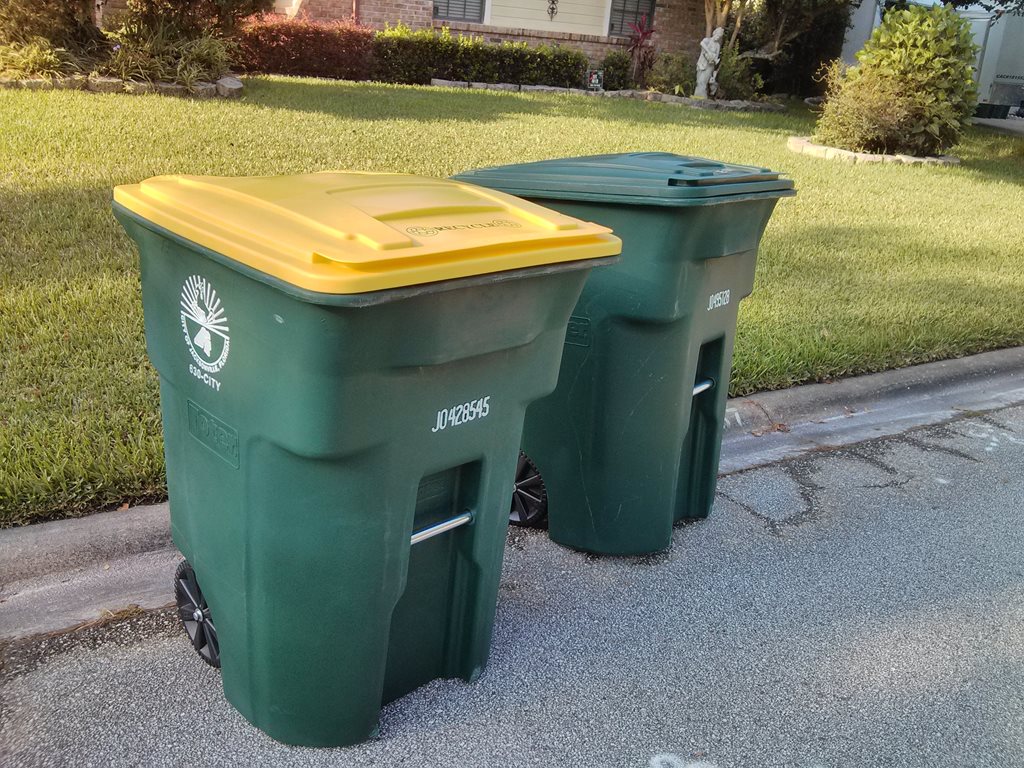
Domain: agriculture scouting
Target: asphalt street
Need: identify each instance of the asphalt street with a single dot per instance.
(856, 607)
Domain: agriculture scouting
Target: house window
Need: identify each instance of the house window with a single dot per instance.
(459, 10)
(626, 12)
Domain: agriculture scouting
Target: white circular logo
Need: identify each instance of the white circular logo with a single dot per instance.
(205, 324)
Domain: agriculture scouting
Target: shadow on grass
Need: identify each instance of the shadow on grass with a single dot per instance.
(61, 236)
(381, 101)
(988, 154)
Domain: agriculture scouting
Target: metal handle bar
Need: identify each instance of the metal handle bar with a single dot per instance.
(444, 526)
(703, 386)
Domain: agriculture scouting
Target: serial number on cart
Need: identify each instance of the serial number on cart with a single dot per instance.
(463, 413)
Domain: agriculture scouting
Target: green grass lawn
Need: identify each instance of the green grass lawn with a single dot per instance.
(870, 267)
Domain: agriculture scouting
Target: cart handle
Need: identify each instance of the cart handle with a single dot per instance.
(443, 527)
(703, 386)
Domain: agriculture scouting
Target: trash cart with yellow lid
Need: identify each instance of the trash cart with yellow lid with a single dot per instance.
(345, 363)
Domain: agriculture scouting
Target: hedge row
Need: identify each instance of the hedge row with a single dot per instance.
(348, 51)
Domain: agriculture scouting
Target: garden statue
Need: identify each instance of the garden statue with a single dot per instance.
(707, 64)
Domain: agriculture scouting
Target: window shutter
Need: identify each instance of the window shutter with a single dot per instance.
(625, 12)
(459, 10)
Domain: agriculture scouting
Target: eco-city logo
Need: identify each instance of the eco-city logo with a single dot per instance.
(431, 231)
(204, 323)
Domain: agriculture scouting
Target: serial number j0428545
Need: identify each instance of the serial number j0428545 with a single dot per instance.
(462, 413)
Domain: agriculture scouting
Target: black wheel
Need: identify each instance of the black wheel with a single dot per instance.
(195, 614)
(529, 497)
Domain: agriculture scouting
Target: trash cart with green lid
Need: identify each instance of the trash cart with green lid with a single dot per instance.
(345, 363)
(629, 441)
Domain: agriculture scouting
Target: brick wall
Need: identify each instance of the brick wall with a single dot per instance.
(373, 13)
(595, 47)
(322, 10)
(413, 13)
(679, 26)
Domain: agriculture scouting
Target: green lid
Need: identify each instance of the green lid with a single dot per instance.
(635, 178)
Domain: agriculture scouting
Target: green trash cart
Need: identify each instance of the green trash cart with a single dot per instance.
(629, 442)
(345, 363)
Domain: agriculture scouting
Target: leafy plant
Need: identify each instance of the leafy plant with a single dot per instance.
(919, 58)
(301, 47)
(560, 67)
(193, 18)
(161, 54)
(672, 73)
(64, 23)
(402, 55)
(406, 56)
(618, 71)
(36, 58)
(870, 113)
(640, 49)
(736, 76)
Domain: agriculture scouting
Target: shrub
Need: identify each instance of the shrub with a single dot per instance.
(673, 73)
(402, 55)
(162, 54)
(193, 18)
(920, 59)
(36, 58)
(299, 47)
(736, 77)
(64, 23)
(561, 67)
(641, 51)
(516, 61)
(618, 67)
(870, 113)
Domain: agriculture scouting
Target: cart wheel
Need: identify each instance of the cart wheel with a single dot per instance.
(195, 614)
(529, 498)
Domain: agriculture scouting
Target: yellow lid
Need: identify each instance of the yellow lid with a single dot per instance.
(356, 232)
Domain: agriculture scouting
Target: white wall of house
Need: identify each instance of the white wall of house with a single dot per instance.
(863, 20)
(585, 17)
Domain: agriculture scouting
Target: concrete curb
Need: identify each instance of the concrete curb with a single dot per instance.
(803, 145)
(63, 545)
(771, 426)
(59, 574)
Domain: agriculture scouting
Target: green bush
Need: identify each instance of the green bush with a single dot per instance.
(561, 67)
(920, 59)
(516, 61)
(64, 23)
(870, 113)
(36, 58)
(160, 54)
(618, 71)
(736, 77)
(193, 18)
(673, 73)
(406, 56)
